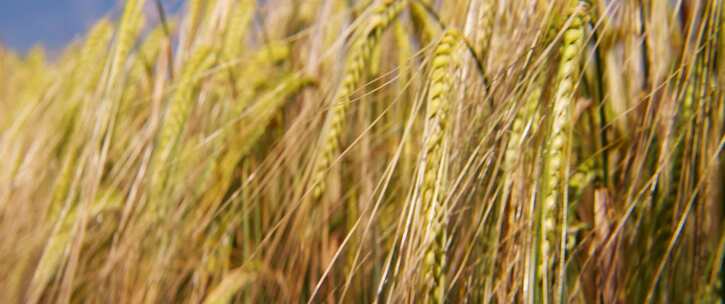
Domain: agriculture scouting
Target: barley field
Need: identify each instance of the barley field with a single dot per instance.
(369, 151)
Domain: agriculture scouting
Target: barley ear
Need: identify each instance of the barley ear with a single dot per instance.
(433, 187)
(172, 125)
(129, 28)
(360, 52)
(556, 145)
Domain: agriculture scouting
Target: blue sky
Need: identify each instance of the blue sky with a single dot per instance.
(53, 23)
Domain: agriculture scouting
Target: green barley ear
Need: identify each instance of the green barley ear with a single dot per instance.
(95, 48)
(152, 45)
(523, 121)
(194, 14)
(256, 72)
(177, 111)
(585, 174)
(255, 124)
(269, 105)
(85, 80)
(129, 28)
(360, 52)
(522, 127)
(434, 184)
(556, 146)
(54, 254)
(425, 28)
(239, 19)
(487, 18)
(231, 283)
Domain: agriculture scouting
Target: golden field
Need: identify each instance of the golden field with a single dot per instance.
(369, 151)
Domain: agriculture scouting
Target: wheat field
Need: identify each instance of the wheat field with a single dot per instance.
(369, 151)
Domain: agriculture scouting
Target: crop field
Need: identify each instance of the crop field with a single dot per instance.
(369, 151)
